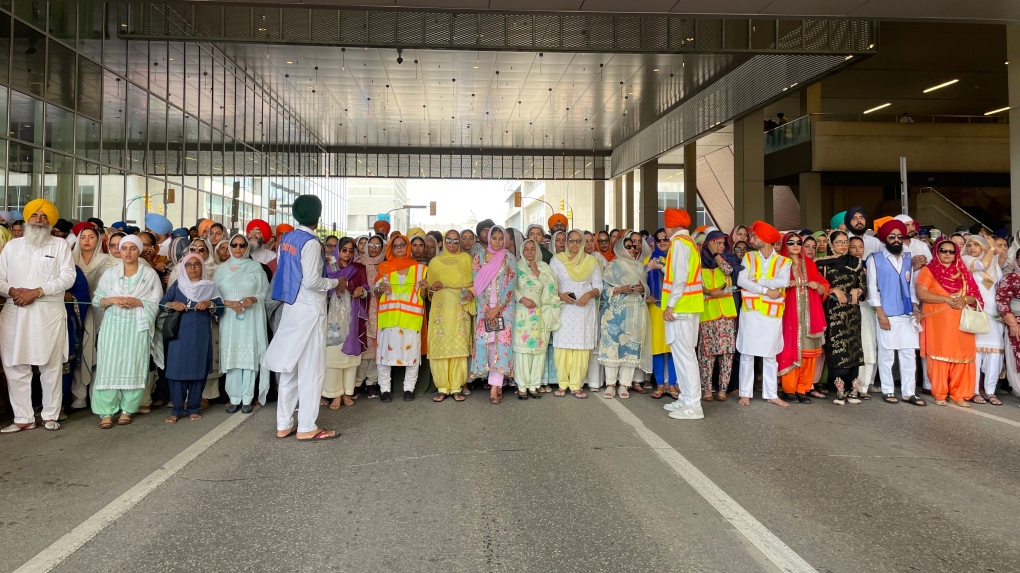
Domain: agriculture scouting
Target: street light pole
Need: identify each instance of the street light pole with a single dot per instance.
(407, 207)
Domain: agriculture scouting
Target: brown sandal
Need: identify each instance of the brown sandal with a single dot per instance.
(124, 419)
(106, 422)
(721, 396)
(707, 397)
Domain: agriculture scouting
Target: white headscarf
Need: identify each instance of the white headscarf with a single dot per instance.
(196, 291)
(146, 288)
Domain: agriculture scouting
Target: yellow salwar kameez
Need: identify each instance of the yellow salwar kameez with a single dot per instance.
(450, 325)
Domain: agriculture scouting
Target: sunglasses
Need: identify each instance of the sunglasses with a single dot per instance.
(897, 237)
(632, 247)
(661, 240)
(947, 252)
(603, 241)
(574, 241)
(238, 245)
(452, 241)
(193, 249)
(399, 245)
(792, 243)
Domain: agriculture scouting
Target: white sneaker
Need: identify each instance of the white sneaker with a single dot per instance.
(687, 413)
(672, 406)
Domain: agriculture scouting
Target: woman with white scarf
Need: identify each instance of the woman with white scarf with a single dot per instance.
(93, 262)
(189, 357)
(537, 315)
(625, 343)
(981, 260)
(130, 293)
(579, 280)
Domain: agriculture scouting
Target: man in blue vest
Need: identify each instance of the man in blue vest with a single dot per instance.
(891, 291)
(298, 350)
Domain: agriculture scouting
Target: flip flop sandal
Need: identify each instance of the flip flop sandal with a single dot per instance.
(977, 399)
(289, 433)
(579, 395)
(890, 399)
(321, 436)
(458, 397)
(439, 398)
(915, 401)
(994, 401)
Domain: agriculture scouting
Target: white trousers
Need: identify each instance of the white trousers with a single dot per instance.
(19, 388)
(594, 376)
(989, 364)
(622, 374)
(867, 376)
(368, 371)
(386, 378)
(769, 377)
(908, 370)
(682, 335)
(301, 389)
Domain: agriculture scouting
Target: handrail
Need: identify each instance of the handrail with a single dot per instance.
(958, 208)
(893, 118)
(788, 134)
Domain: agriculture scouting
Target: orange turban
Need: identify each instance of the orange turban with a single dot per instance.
(281, 229)
(673, 218)
(557, 218)
(203, 226)
(881, 221)
(382, 227)
(765, 232)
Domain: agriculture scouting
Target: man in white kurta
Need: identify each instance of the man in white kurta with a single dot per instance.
(759, 334)
(35, 270)
(896, 333)
(920, 255)
(298, 350)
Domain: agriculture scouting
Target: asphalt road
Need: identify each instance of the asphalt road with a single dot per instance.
(557, 484)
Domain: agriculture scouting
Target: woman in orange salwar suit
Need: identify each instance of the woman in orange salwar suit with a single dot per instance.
(803, 322)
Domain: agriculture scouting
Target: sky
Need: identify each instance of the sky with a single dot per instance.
(456, 200)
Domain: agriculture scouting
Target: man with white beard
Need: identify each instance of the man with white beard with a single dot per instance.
(35, 270)
(258, 233)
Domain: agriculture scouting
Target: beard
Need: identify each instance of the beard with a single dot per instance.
(256, 243)
(37, 234)
(857, 232)
(896, 249)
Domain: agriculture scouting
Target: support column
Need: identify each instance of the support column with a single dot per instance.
(617, 202)
(811, 101)
(628, 201)
(691, 182)
(648, 214)
(598, 210)
(811, 216)
(751, 200)
(1013, 83)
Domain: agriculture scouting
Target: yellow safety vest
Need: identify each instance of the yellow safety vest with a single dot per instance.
(404, 306)
(757, 271)
(717, 307)
(693, 298)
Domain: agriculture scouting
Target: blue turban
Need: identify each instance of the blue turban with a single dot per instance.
(850, 215)
(158, 224)
(119, 225)
(179, 233)
(17, 216)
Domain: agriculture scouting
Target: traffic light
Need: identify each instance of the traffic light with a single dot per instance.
(169, 196)
(432, 208)
(517, 198)
(563, 204)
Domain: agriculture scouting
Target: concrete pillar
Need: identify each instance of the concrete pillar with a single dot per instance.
(1013, 83)
(628, 201)
(598, 197)
(648, 215)
(810, 192)
(811, 101)
(751, 200)
(691, 182)
(617, 202)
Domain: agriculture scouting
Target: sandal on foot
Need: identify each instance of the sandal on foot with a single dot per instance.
(914, 400)
(890, 399)
(439, 398)
(721, 397)
(335, 403)
(707, 397)
(105, 423)
(941, 403)
(195, 417)
(977, 399)
(610, 392)
(961, 403)
(625, 392)
(320, 436)
(816, 394)
(560, 393)
(658, 393)
(534, 394)
(459, 397)
(495, 399)
(991, 399)
(674, 395)
(522, 395)
(579, 394)
(173, 420)
(348, 400)
(637, 388)
(124, 420)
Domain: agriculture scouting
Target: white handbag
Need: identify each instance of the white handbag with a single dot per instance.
(974, 320)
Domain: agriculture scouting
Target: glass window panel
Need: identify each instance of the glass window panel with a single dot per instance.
(192, 73)
(3, 107)
(135, 192)
(88, 137)
(158, 68)
(5, 48)
(138, 62)
(175, 145)
(24, 165)
(175, 65)
(227, 101)
(59, 129)
(157, 136)
(90, 29)
(29, 59)
(26, 118)
(63, 20)
(137, 127)
(60, 81)
(114, 98)
(90, 88)
(157, 196)
(115, 49)
(111, 201)
(206, 87)
(58, 181)
(3, 171)
(32, 11)
(86, 192)
(191, 146)
(189, 206)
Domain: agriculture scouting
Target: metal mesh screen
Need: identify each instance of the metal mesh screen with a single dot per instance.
(326, 26)
(267, 23)
(295, 25)
(236, 21)
(209, 21)
(467, 166)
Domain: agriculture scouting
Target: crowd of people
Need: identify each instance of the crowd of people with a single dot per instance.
(123, 320)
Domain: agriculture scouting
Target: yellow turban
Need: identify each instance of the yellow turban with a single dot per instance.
(48, 209)
(416, 232)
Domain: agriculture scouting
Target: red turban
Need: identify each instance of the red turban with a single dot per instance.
(885, 230)
(557, 218)
(262, 226)
(77, 229)
(281, 229)
(765, 232)
(673, 218)
(382, 227)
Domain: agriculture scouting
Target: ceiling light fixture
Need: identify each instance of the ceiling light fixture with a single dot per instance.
(995, 111)
(940, 86)
(655, 69)
(885, 105)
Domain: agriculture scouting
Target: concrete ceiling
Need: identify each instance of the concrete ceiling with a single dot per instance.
(999, 11)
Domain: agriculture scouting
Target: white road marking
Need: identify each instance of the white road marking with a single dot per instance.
(977, 412)
(61, 549)
(771, 547)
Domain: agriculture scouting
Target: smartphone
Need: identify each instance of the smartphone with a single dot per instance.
(572, 295)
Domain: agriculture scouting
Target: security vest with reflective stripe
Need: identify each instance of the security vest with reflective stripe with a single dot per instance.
(403, 307)
(717, 307)
(693, 298)
(757, 271)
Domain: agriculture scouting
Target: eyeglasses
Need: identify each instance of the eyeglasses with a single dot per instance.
(601, 241)
(399, 245)
(452, 241)
(792, 243)
(947, 252)
(574, 241)
(192, 265)
(840, 242)
(238, 245)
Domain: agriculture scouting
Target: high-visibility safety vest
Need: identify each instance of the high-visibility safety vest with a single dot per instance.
(717, 307)
(757, 271)
(403, 307)
(693, 298)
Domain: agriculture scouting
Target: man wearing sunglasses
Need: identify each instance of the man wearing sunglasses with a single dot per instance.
(892, 293)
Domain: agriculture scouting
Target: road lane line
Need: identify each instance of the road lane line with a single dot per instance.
(977, 412)
(771, 547)
(61, 549)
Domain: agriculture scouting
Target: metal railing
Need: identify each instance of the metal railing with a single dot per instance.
(788, 134)
(910, 119)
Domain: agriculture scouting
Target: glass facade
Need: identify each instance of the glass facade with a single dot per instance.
(671, 195)
(114, 129)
